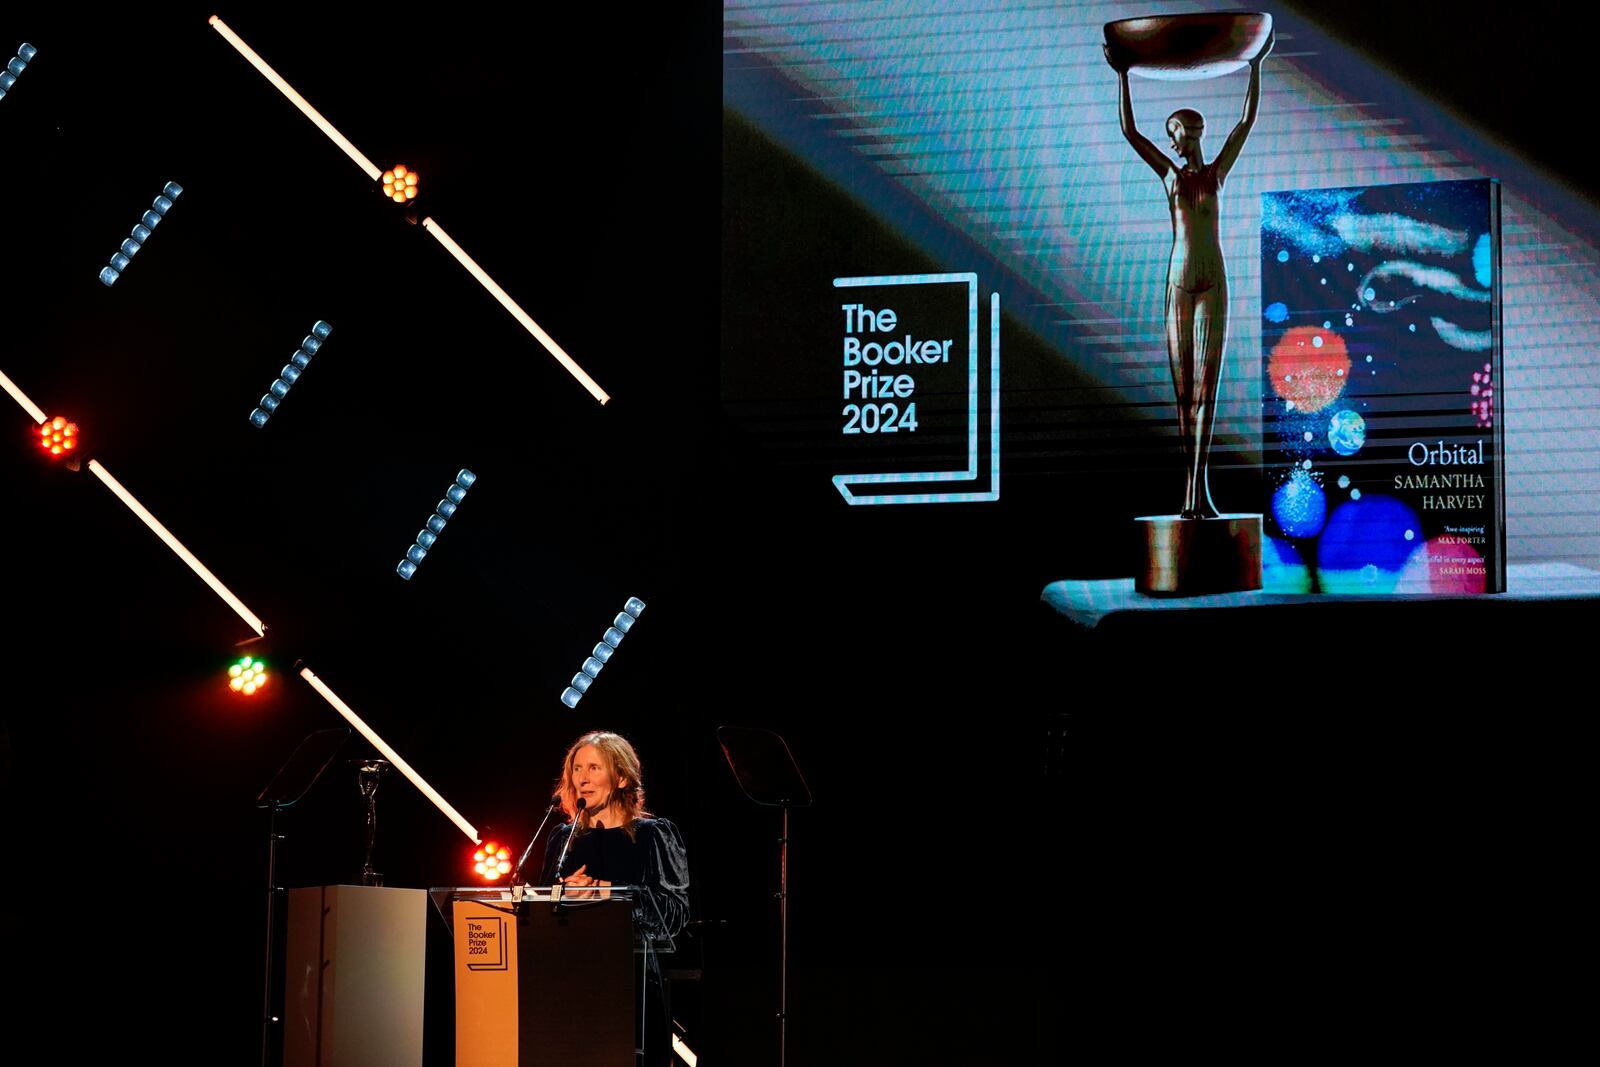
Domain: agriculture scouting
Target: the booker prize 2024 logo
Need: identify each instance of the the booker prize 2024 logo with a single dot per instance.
(885, 357)
(486, 943)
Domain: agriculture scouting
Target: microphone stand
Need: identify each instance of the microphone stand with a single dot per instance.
(564, 846)
(555, 802)
(293, 781)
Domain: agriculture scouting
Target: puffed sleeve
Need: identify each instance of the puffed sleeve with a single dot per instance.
(666, 881)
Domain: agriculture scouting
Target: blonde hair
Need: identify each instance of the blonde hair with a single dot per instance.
(623, 764)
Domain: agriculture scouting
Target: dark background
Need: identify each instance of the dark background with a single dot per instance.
(1019, 837)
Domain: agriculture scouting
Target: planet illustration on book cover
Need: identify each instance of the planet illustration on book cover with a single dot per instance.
(1347, 432)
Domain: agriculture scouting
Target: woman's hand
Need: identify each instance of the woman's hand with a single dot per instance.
(579, 879)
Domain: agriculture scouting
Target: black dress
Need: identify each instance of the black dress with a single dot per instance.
(653, 861)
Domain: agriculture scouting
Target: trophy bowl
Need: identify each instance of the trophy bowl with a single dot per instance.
(1187, 47)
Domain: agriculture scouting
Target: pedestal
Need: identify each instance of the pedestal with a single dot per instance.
(1189, 557)
(353, 979)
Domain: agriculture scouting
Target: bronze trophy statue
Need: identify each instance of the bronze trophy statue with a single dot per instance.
(1198, 550)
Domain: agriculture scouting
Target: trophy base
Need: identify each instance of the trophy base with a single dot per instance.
(1190, 557)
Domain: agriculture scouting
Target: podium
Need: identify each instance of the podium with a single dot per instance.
(546, 981)
(353, 976)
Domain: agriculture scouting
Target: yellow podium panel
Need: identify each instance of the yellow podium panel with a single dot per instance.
(486, 985)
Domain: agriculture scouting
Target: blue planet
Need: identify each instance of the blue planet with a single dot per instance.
(1299, 505)
(1347, 432)
(1276, 312)
(1369, 531)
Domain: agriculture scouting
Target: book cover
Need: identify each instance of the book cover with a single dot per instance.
(1382, 389)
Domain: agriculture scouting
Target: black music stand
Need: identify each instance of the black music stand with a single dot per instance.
(292, 782)
(767, 773)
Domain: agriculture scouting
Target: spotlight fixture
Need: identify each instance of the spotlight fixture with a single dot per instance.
(247, 676)
(18, 64)
(58, 437)
(602, 653)
(441, 514)
(290, 374)
(140, 233)
(400, 184)
(491, 862)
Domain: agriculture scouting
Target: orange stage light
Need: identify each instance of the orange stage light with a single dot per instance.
(400, 184)
(57, 436)
(491, 862)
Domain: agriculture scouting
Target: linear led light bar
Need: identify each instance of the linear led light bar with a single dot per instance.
(250, 617)
(391, 755)
(428, 224)
(517, 313)
(22, 398)
(296, 99)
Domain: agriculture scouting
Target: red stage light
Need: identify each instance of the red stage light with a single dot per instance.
(247, 676)
(400, 184)
(491, 861)
(57, 436)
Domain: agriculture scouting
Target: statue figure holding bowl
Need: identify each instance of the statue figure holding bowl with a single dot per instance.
(1196, 313)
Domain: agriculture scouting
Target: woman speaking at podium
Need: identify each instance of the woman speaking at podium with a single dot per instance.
(614, 840)
(610, 839)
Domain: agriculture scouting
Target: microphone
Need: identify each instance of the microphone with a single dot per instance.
(570, 835)
(555, 802)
